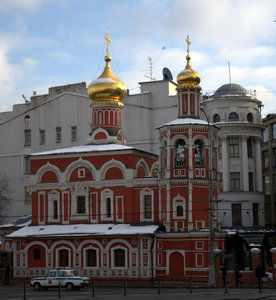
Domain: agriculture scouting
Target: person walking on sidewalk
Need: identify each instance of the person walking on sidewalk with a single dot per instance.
(224, 275)
(7, 275)
(238, 276)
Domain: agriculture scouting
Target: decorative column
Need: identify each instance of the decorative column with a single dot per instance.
(255, 257)
(273, 253)
(258, 166)
(225, 172)
(244, 164)
(218, 276)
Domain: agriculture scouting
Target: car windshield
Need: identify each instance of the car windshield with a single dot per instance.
(71, 273)
(51, 274)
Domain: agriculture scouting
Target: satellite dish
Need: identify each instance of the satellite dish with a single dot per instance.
(167, 75)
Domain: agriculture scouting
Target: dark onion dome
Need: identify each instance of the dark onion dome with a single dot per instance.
(231, 90)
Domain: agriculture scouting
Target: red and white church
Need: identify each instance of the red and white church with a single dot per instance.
(110, 211)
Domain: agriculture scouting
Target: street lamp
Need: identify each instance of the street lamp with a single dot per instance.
(211, 277)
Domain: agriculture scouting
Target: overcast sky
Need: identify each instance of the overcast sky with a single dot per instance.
(45, 43)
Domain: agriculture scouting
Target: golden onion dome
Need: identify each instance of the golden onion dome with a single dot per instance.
(107, 88)
(188, 77)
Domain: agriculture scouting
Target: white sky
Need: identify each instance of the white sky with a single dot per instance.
(45, 43)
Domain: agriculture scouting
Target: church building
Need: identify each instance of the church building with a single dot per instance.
(112, 211)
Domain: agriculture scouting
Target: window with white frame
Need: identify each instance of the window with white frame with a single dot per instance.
(27, 165)
(81, 173)
(107, 205)
(42, 136)
(73, 133)
(28, 137)
(119, 255)
(233, 147)
(91, 257)
(63, 258)
(199, 154)
(80, 204)
(179, 207)
(53, 206)
(147, 207)
(234, 181)
(179, 154)
(58, 134)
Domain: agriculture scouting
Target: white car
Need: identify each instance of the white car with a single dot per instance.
(64, 278)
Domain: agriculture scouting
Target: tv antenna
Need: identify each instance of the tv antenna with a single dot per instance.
(150, 74)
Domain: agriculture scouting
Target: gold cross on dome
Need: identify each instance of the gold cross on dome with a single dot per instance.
(108, 40)
(188, 44)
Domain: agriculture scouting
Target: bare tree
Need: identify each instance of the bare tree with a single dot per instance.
(5, 196)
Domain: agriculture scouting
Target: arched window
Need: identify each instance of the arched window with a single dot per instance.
(63, 258)
(216, 118)
(108, 207)
(250, 117)
(179, 211)
(119, 258)
(91, 258)
(233, 116)
(179, 154)
(199, 154)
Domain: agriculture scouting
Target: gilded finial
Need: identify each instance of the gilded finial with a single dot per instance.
(188, 44)
(108, 40)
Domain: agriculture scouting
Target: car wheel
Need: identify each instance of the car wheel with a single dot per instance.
(37, 286)
(69, 286)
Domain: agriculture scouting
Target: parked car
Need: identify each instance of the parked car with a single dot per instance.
(64, 278)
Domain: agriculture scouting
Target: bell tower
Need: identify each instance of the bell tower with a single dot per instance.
(188, 89)
(106, 93)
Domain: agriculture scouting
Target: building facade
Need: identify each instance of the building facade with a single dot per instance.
(114, 211)
(269, 168)
(238, 116)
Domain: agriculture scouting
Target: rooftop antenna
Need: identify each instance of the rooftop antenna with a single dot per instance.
(150, 76)
(229, 70)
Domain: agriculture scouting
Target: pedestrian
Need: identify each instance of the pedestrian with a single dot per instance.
(224, 275)
(259, 272)
(7, 274)
(238, 276)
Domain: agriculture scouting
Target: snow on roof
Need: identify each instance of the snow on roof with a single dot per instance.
(184, 121)
(85, 148)
(82, 230)
(20, 222)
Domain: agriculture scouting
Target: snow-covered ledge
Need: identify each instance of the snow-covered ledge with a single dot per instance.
(255, 250)
(273, 250)
(217, 251)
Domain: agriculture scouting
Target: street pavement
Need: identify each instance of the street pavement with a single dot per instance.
(16, 292)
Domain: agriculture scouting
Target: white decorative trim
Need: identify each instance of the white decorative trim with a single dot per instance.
(112, 250)
(142, 163)
(179, 201)
(53, 196)
(117, 208)
(46, 168)
(105, 194)
(39, 208)
(79, 163)
(110, 164)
